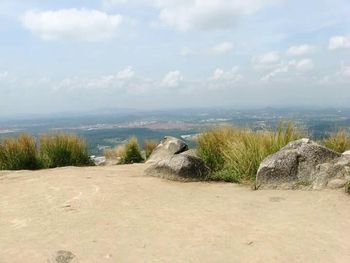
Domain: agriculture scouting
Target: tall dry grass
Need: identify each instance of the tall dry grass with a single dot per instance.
(114, 153)
(149, 146)
(19, 153)
(60, 150)
(234, 154)
(339, 141)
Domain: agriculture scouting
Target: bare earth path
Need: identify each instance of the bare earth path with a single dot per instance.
(114, 214)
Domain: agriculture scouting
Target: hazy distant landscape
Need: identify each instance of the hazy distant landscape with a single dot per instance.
(102, 130)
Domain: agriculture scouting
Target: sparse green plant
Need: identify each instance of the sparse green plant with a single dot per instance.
(60, 150)
(234, 154)
(149, 146)
(347, 187)
(19, 153)
(339, 141)
(132, 152)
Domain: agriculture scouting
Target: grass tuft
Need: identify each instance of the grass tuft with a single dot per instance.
(19, 153)
(63, 150)
(234, 154)
(339, 142)
(347, 187)
(149, 146)
(131, 152)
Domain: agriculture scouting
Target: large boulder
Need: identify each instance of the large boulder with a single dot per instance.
(167, 147)
(333, 174)
(180, 167)
(192, 152)
(294, 165)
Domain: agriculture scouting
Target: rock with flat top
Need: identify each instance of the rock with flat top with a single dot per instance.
(167, 147)
(180, 167)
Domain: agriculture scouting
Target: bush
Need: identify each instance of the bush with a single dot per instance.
(19, 153)
(114, 153)
(234, 154)
(339, 142)
(149, 146)
(131, 153)
(347, 187)
(63, 150)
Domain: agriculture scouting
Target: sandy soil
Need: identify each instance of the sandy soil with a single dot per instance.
(114, 214)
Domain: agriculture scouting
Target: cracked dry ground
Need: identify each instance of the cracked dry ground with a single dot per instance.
(114, 214)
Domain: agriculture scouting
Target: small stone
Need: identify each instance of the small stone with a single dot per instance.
(63, 256)
(336, 183)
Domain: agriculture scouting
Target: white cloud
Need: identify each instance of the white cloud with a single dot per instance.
(172, 79)
(186, 15)
(274, 73)
(232, 75)
(290, 70)
(267, 60)
(344, 70)
(222, 48)
(300, 50)
(127, 73)
(72, 24)
(222, 79)
(305, 65)
(339, 42)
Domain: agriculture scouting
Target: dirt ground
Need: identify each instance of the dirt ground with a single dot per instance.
(114, 214)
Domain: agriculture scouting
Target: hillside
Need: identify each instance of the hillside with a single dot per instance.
(115, 214)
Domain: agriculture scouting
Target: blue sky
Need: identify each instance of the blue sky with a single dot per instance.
(148, 54)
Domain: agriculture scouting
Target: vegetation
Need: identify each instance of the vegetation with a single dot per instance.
(24, 152)
(131, 152)
(234, 154)
(149, 146)
(63, 150)
(339, 142)
(114, 153)
(20, 153)
(347, 187)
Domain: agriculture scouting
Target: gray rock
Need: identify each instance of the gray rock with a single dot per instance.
(180, 167)
(98, 160)
(168, 147)
(294, 165)
(191, 152)
(324, 173)
(346, 153)
(336, 183)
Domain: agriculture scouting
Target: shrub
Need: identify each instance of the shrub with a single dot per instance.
(149, 146)
(114, 153)
(339, 142)
(63, 150)
(131, 152)
(19, 153)
(347, 187)
(234, 154)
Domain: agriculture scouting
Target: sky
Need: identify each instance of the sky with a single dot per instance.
(62, 56)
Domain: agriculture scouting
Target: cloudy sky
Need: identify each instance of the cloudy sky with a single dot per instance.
(71, 55)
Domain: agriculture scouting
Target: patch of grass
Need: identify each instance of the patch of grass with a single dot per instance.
(339, 142)
(234, 154)
(347, 187)
(114, 153)
(19, 154)
(131, 152)
(60, 150)
(149, 146)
